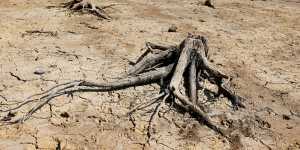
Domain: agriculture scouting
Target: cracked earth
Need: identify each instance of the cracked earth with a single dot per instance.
(256, 42)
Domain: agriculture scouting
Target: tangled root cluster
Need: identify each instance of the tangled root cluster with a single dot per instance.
(178, 70)
(86, 6)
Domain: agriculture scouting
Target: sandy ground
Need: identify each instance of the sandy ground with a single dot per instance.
(257, 42)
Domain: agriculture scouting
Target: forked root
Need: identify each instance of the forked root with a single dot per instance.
(154, 115)
(171, 67)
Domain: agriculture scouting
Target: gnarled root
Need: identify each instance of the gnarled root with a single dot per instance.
(86, 6)
(169, 66)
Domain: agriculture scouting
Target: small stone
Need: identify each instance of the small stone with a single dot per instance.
(39, 70)
(65, 115)
(173, 28)
(209, 3)
(286, 117)
(9, 116)
(289, 127)
(201, 20)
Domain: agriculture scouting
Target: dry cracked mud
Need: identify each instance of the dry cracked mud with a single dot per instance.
(257, 42)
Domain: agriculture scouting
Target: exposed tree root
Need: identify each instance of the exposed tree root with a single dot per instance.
(154, 114)
(177, 69)
(87, 6)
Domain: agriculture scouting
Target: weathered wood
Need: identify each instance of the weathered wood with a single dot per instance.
(169, 66)
(188, 46)
(153, 59)
(85, 5)
(193, 82)
(235, 99)
(149, 77)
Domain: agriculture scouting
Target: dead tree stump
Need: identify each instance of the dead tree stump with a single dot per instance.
(86, 6)
(177, 69)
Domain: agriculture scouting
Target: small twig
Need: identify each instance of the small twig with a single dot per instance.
(40, 32)
(3, 97)
(166, 145)
(132, 120)
(17, 77)
(89, 26)
(149, 103)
